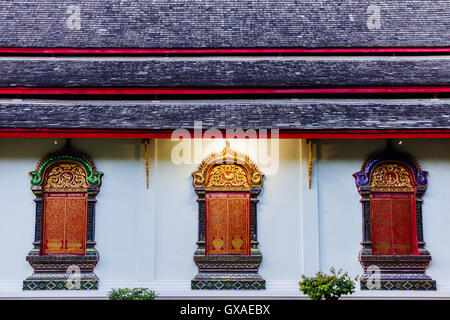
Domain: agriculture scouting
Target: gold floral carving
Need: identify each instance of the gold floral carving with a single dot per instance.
(391, 177)
(66, 177)
(227, 177)
(218, 244)
(227, 171)
(237, 242)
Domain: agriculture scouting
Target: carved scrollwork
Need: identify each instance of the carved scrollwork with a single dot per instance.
(391, 177)
(227, 176)
(66, 177)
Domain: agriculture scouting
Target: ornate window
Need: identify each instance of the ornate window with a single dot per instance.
(393, 256)
(65, 184)
(227, 255)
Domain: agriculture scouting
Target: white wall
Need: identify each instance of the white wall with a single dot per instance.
(147, 237)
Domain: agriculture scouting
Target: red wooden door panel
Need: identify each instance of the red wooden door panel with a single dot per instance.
(381, 222)
(76, 215)
(65, 223)
(238, 224)
(403, 221)
(54, 222)
(227, 223)
(393, 225)
(216, 223)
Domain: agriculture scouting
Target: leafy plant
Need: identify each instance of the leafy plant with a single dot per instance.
(330, 287)
(132, 294)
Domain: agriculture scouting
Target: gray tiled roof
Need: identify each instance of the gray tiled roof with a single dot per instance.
(224, 71)
(224, 23)
(267, 114)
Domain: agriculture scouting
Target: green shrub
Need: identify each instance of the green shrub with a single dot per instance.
(132, 294)
(330, 287)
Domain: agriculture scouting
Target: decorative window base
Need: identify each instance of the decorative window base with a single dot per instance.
(60, 281)
(59, 272)
(396, 272)
(228, 281)
(232, 272)
(391, 282)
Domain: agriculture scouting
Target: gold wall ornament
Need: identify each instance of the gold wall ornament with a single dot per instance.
(227, 171)
(391, 177)
(146, 142)
(66, 177)
(309, 163)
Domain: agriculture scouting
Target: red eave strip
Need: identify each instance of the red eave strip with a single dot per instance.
(219, 50)
(167, 134)
(201, 91)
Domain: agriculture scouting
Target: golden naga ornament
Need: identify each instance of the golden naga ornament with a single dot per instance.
(391, 177)
(66, 177)
(227, 171)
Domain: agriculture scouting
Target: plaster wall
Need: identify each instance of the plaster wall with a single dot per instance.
(147, 237)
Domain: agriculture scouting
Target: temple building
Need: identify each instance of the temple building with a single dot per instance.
(224, 148)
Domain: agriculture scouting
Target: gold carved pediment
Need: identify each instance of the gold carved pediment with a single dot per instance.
(391, 177)
(66, 177)
(227, 171)
(227, 177)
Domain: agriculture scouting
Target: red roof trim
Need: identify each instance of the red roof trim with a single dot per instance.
(201, 91)
(95, 51)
